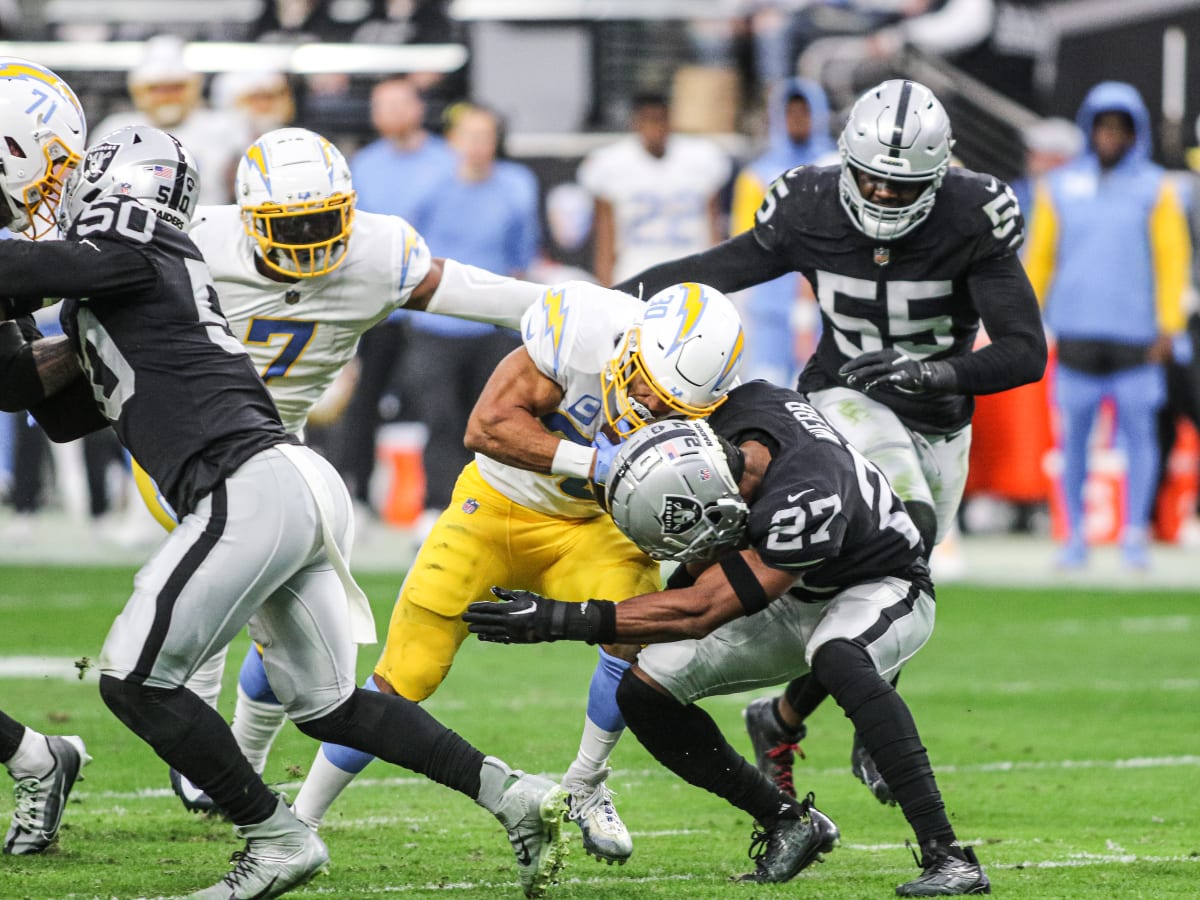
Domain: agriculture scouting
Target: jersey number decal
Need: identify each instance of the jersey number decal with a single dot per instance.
(299, 334)
(663, 220)
(918, 337)
(790, 527)
(875, 492)
(1003, 212)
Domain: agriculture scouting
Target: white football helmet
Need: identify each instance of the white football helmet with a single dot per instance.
(898, 130)
(297, 202)
(686, 345)
(140, 162)
(672, 490)
(42, 135)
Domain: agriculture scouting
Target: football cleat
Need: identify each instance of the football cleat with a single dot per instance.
(789, 846)
(194, 799)
(40, 801)
(864, 770)
(946, 875)
(532, 811)
(775, 750)
(605, 836)
(281, 853)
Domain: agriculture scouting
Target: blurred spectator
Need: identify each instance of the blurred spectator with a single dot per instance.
(485, 214)
(299, 21)
(1108, 256)
(264, 99)
(1048, 144)
(167, 95)
(397, 174)
(656, 193)
(798, 134)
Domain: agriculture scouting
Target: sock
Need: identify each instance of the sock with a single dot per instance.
(33, 756)
(324, 784)
(804, 694)
(403, 733)
(252, 677)
(255, 726)
(602, 707)
(687, 741)
(349, 760)
(12, 733)
(205, 683)
(886, 728)
(595, 747)
(191, 737)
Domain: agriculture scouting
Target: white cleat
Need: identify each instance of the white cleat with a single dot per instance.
(281, 853)
(590, 806)
(40, 801)
(531, 810)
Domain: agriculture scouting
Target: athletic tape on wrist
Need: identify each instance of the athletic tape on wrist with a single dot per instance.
(572, 459)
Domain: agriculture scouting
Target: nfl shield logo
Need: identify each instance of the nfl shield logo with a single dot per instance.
(883, 256)
(470, 505)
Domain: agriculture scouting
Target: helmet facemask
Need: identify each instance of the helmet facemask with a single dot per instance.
(896, 132)
(302, 240)
(36, 210)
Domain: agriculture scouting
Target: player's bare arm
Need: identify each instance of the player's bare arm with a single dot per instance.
(505, 423)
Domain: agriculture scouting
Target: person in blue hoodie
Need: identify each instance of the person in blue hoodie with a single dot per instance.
(798, 134)
(1109, 255)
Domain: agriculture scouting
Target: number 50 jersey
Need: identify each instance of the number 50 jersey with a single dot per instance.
(921, 293)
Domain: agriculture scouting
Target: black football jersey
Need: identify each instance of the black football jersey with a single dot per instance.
(912, 293)
(166, 372)
(823, 511)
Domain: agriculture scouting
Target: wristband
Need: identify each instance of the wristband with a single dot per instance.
(572, 459)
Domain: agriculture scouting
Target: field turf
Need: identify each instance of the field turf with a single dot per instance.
(1064, 726)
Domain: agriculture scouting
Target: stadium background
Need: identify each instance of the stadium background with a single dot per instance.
(1067, 737)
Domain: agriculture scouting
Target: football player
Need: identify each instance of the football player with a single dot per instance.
(799, 558)
(44, 133)
(907, 256)
(265, 524)
(595, 365)
(301, 274)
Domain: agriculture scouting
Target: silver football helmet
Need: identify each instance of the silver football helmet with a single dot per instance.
(140, 162)
(42, 136)
(686, 345)
(673, 492)
(898, 131)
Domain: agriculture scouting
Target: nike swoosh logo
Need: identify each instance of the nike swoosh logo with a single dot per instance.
(524, 612)
(792, 498)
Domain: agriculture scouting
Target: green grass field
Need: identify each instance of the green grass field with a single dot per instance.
(1063, 727)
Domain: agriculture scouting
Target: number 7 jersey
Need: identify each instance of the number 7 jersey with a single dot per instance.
(921, 293)
(300, 335)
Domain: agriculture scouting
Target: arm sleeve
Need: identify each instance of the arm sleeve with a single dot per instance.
(69, 414)
(1171, 251)
(71, 268)
(1009, 311)
(738, 263)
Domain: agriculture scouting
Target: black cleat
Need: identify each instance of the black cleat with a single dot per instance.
(775, 750)
(790, 845)
(864, 770)
(946, 875)
(194, 799)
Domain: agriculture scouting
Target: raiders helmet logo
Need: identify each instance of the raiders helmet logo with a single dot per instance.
(97, 160)
(679, 514)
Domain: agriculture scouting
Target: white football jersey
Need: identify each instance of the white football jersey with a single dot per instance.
(301, 335)
(660, 206)
(570, 334)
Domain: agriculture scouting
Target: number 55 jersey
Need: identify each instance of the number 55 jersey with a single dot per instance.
(924, 293)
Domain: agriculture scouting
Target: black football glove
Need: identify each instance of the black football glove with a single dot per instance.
(527, 618)
(891, 367)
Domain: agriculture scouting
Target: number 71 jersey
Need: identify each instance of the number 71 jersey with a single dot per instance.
(921, 293)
